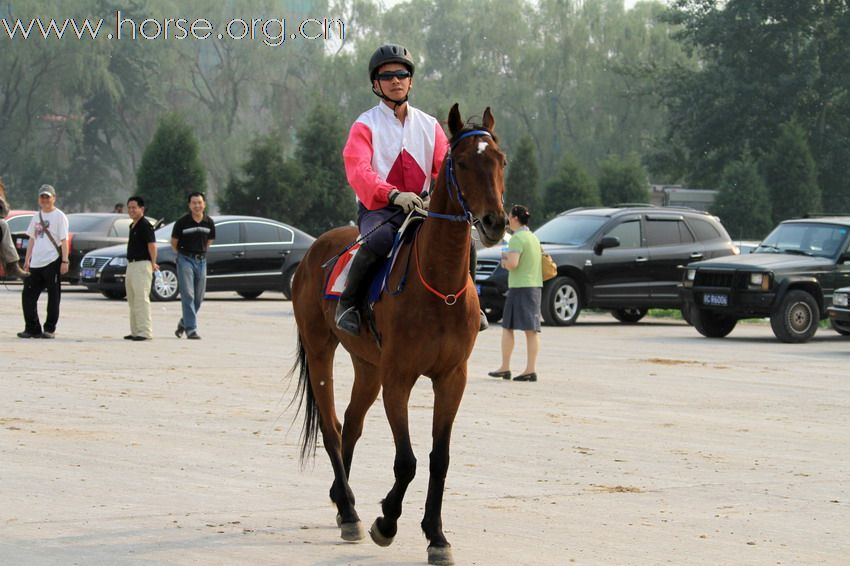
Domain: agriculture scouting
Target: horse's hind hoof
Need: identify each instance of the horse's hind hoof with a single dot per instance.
(379, 538)
(441, 555)
(352, 532)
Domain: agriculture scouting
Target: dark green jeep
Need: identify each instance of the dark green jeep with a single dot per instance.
(790, 278)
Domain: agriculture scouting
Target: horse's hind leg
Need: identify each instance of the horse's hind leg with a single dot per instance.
(448, 391)
(321, 380)
(396, 396)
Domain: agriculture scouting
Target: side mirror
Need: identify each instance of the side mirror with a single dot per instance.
(605, 243)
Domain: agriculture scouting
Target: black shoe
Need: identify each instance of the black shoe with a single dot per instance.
(526, 377)
(193, 336)
(26, 334)
(129, 337)
(48, 335)
(348, 319)
(139, 338)
(180, 329)
(482, 322)
(502, 374)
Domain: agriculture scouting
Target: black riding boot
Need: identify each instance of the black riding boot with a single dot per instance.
(473, 261)
(347, 312)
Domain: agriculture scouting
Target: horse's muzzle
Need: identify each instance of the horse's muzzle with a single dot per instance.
(491, 228)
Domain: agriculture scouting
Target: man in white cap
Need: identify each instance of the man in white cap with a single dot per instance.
(47, 261)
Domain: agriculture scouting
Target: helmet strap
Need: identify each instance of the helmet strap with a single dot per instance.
(397, 103)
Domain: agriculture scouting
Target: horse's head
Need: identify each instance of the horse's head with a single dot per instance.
(478, 167)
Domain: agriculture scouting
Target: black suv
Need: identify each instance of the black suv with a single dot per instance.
(790, 277)
(625, 259)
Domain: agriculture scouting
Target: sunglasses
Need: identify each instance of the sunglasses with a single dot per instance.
(390, 75)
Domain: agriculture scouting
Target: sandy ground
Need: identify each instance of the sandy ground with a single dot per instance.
(643, 444)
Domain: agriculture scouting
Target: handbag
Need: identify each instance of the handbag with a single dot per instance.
(550, 269)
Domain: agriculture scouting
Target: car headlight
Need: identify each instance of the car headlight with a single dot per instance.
(690, 275)
(839, 299)
(760, 281)
(118, 261)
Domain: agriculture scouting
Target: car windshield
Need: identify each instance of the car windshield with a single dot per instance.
(164, 233)
(572, 229)
(815, 239)
(87, 223)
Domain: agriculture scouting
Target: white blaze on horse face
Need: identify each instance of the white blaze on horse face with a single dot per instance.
(482, 145)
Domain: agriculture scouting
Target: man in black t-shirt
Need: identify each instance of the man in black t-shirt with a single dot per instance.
(191, 237)
(141, 263)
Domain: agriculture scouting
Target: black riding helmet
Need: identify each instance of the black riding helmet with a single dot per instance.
(390, 53)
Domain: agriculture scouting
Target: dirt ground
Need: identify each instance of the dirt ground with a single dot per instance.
(642, 444)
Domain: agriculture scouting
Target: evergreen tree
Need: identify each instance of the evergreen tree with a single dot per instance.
(572, 187)
(791, 175)
(743, 204)
(623, 181)
(268, 186)
(522, 185)
(170, 169)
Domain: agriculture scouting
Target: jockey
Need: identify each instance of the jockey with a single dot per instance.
(393, 153)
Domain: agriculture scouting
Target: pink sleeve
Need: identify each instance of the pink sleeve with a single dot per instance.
(441, 146)
(372, 191)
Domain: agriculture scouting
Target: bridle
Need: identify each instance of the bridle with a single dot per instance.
(455, 193)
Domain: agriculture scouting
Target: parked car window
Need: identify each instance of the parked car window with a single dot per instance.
(569, 230)
(19, 223)
(260, 232)
(287, 236)
(226, 234)
(704, 230)
(666, 232)
(121, 228)
(83, 223)
(628, 232)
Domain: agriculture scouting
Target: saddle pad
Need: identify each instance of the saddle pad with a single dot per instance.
(339, 273)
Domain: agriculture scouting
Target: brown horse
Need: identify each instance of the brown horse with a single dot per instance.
(428, 329)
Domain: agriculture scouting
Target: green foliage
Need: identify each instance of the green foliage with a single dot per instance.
(522, 184)
(791, 176)
(572, 187)
(170, 169)
(743, 204)
(623, 181)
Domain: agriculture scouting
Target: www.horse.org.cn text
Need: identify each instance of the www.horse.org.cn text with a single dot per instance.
(273, 32)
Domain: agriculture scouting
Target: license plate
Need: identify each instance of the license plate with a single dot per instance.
(478, 289)
(715, 300)
(88, 273)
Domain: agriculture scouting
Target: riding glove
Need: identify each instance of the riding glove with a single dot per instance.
(407, 201)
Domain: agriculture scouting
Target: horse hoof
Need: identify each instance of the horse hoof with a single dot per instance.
(441, 555)
(352, 532)
(376, 535)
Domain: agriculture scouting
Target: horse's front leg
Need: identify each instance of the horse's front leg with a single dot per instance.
(396, 394)
(448, 391)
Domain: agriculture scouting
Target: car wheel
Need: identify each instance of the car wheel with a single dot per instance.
(250, 295)
(842, 328)
(165, 287)
(711, 324)
(114, 295)
(629, 316)
(288, 277)
(797, 318)
(561, 302)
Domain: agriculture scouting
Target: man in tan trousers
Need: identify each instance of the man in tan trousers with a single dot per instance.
(141, 263)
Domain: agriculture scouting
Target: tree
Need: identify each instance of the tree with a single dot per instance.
(791, 175)
(170, 169)
(743, 204)
(269, 185)
(623, 181)
(522, 185)
(572, 187)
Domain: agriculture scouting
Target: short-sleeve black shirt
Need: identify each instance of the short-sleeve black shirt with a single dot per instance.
(141, 234)
(191, 236)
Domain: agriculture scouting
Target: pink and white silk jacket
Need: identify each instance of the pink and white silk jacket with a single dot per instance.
(381, 154)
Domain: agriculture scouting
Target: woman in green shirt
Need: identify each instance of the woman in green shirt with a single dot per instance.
(525, 285)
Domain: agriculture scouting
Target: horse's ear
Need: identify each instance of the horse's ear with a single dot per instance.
(489, 121)
(455, 121)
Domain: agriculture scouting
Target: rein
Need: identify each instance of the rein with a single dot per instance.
(449, 299)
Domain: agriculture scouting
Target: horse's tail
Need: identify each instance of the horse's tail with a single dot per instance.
(306, 399)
